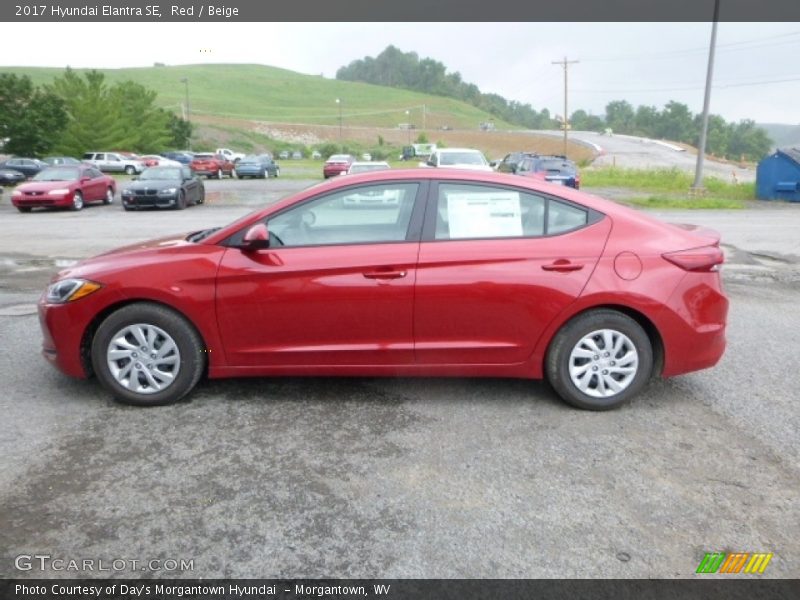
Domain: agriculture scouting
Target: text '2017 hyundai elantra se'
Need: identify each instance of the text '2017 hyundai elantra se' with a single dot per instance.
(466, 274)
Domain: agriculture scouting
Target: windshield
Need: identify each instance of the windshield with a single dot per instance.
(160, 173)
(339, 158)
(58, 174)
(461, 158)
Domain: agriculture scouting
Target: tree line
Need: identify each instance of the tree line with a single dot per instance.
(675, 121)
(75, 114)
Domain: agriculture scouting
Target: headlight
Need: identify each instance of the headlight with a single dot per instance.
(167, 192)
(127, 192)
(59, 192)
(68, 290)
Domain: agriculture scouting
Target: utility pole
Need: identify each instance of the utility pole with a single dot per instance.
(185, 81)
(565, 63)
(339, 104)
(697, 186)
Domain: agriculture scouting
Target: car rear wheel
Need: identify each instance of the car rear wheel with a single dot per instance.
(77, 201)
(109, 196)
(148, 355)
(599, 360)
(129, 170)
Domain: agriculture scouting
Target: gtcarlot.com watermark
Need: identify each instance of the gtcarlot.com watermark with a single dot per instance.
(46, 562)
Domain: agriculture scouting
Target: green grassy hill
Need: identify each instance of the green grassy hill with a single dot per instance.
(256, 92)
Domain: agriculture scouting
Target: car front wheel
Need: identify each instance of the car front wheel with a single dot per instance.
(77, 201)
(599, 360)
(109, 196)
(148, 355)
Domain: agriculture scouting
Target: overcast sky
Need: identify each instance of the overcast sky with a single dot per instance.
(756, 74)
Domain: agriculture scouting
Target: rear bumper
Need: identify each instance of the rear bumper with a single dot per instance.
(692, 324)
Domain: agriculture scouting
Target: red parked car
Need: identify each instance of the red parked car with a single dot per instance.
(467, 274)
(212, 165)
(336, 165)
(65, 186)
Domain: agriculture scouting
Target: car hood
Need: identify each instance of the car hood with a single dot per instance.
(125, 256)
(44, 186)
(153, 184)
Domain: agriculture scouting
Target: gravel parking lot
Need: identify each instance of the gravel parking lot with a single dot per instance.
(425, 478)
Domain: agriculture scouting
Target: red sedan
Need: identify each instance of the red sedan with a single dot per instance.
(65, 186)
(336, 165)
(466, 274)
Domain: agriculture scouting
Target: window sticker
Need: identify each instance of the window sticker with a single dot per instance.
(484, 214)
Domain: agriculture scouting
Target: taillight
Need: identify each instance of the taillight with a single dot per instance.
(705, 258)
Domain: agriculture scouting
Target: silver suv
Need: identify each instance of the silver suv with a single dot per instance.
(113, 162)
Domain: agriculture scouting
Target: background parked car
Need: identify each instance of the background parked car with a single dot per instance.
(11, 177)
(65, 186)
(336, 165)
(154, 160)
(261, 166)
(458, 158)
(27, 166)
(554, 169)
(284, 155)
(164, 187)
(297, 155)
(212, 165)
(113, 162)
(364, 167)
(54, 161)
(184, 156)
(511, 161)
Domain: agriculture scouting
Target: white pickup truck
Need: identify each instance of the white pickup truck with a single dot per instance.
(229, 154)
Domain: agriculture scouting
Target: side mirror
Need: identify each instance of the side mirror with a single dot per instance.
(85, 179)
(256, 238)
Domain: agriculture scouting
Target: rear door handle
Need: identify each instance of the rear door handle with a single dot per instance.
(385, 274)
(562, 266)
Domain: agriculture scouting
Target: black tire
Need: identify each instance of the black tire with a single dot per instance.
(129, 170)
(557, 362)
(219, 173)
(77, 201)
(181, 202)
(201, 196)
(109, 197)
(187, 340)
(24, 209)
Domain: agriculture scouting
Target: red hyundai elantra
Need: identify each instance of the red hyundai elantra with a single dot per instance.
(465, 274)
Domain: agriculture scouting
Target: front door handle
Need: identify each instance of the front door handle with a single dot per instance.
(385, 274)
(562, 265)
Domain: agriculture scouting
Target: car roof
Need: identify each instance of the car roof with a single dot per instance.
(447, 150)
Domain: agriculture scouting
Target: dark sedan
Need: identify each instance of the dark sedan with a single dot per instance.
(185, 158)
(11, 177)
(260, 166)
(27, 166)
(163, 187)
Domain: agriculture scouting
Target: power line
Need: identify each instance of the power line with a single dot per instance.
(685, 89)
(729, 47)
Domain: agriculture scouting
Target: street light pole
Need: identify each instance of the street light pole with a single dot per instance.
(408, 126)
(185, 81)
(339, 104)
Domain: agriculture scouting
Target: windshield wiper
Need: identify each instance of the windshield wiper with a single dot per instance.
(201, 235)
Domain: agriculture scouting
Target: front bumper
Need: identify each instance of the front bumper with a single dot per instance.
(150, 201)
(41, 200)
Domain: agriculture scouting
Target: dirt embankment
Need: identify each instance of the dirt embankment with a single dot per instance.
(494, 144)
